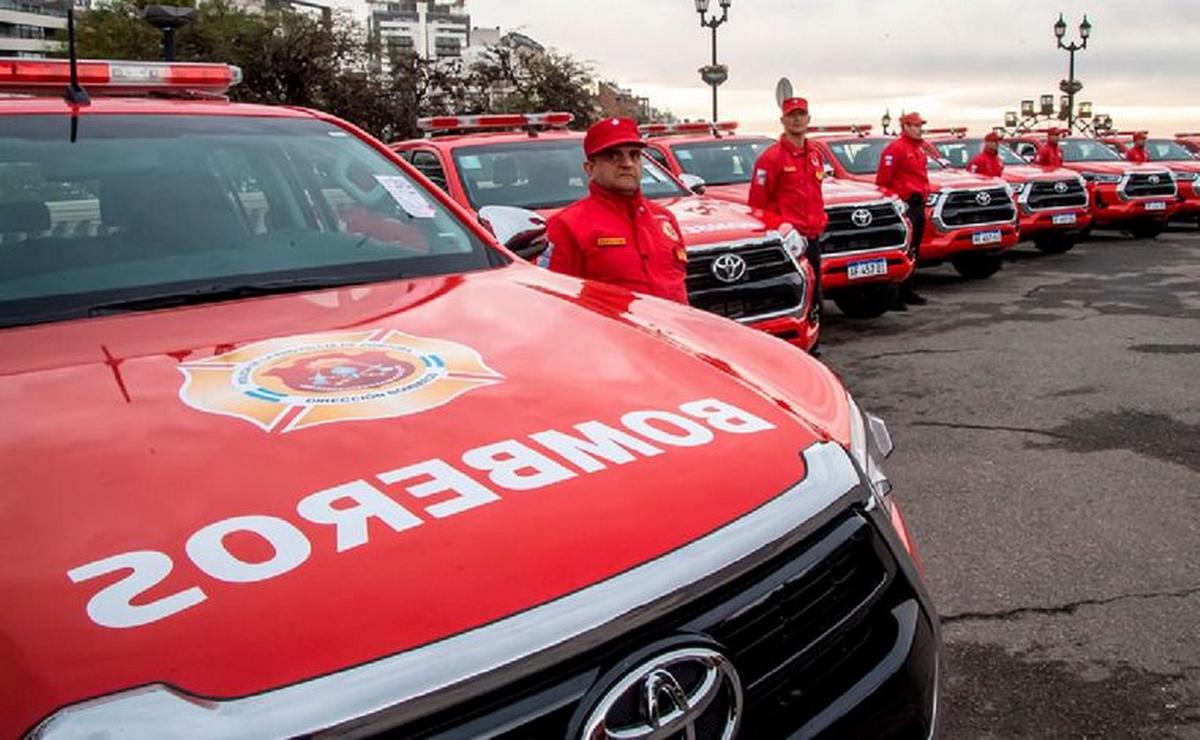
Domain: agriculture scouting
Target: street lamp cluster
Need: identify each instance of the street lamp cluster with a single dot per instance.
(713, 74)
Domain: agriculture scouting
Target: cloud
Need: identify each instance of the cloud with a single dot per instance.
(961, 61)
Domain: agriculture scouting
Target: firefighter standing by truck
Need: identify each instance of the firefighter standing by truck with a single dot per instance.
(904, 172)
(1050, 155)
(615, 234)
(787, 184)
(987, 162)
(1137, 152)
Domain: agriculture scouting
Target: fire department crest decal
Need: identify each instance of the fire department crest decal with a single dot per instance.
(302, 381)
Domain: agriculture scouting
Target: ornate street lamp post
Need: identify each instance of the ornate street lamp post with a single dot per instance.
(713, 74)
(1071, 86)
(886, 122)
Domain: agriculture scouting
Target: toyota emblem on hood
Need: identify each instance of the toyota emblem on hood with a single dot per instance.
(861, 217)
(729, 268)
(694, 692)
(1154, 179)
(1060, 187)
(983, 197)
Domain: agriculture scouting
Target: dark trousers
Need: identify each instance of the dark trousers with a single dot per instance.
(916, 214)
(813, 255)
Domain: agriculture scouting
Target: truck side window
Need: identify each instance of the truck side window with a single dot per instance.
(657, 156)
(429, 166)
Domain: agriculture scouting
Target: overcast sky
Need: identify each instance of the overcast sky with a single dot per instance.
(956, 61)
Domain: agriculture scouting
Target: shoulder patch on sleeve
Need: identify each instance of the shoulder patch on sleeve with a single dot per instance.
(887, 159)
(543, 259)
(760, 176)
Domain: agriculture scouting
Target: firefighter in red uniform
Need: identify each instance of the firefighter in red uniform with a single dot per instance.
(787, 185)
(614, 234)
(1137, 152)
(1050, 155)
(988, 162)
(904, 172)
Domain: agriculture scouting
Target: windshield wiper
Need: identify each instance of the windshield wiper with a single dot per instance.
(229, 291)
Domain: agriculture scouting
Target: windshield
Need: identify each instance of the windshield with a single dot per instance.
(861, 156)
(540, 173)
(1086, 150)
(196, 207)
(961, 152)
(1165, 150)
(721, 162)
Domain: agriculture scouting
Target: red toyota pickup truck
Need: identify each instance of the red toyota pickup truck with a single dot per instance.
(865, 248)
(1052, 202)
(970, 220)
(739, 266)
(295, 448)
(1137, 198)
(1173, 156)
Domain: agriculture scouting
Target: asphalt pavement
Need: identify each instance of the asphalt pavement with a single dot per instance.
(1047, 430)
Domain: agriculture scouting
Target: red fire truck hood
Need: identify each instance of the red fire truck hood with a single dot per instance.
(705, 219)
(1025, 173)
(1112, 168)
(836, 191)
(959, 179)
(173, 481)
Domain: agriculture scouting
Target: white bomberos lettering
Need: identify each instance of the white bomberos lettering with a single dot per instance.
(207, 549)
(509, 464)
(111, 607)
(351, 521)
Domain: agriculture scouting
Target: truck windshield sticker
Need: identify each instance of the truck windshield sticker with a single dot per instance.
(406, 196)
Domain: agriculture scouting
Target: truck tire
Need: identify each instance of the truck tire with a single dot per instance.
(1147, 229)
(977, 266)
(1056, 244)
(866, 302)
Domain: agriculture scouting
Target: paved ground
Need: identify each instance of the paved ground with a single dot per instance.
(1047, 423)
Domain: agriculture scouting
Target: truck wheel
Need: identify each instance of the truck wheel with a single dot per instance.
(1056, 244)
(977, 266)
(1147, 229)
(868, 301)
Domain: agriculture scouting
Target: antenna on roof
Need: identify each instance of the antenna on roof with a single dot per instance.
(75, 93)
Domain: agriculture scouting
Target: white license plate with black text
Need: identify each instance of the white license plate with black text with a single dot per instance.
(866, 268)
(1063, 218)
(985, 237)
(1156, 205)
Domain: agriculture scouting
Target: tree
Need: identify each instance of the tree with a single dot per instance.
(519, 81)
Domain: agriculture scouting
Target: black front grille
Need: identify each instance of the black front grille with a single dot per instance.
(883, 229)
(970, 207)
(1143, 185)
(1047, 194)
(771, 283)
(802, 630)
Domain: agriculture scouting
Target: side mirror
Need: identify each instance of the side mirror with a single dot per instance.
(694, 183)
(829, 172)
(522, 231)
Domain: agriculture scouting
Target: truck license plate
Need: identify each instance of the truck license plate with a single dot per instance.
(1156, 205)
(867, 268)
(1063, 218)
(985, 237)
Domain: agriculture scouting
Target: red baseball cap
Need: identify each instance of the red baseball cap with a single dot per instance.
(1054, 131)
(909, 119)
(609, 133)
(1140, 135)
(791, 104)
(992, 136)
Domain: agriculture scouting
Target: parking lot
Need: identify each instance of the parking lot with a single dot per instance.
(1047, 424)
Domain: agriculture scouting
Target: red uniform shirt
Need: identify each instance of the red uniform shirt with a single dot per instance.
(986, 163)
(625, 240)
(1137, 154)
(903, 168)
(1050, 155)
(787, 183)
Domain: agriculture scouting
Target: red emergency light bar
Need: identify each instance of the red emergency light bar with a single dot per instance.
(495, 121)
(859, 129)
(1126, 133)
(51, 76)
(691, 127)
(1187, 134)
(956, 131)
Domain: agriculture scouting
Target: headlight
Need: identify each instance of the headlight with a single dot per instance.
(870, 444)
(1185, 176)
(1023, 191)
(1101, 177)
(900, 206)
(931, 199)
(795, 244)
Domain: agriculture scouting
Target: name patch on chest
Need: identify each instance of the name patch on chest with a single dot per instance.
(610, 241)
